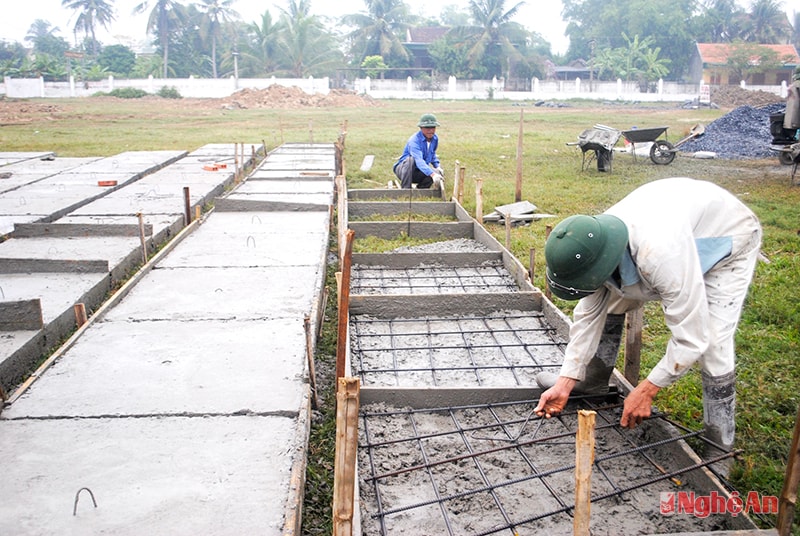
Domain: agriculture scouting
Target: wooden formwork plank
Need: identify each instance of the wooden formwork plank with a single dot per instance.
(346, 450)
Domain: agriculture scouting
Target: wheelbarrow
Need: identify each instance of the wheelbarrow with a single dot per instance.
(662, 152)
(601, 140)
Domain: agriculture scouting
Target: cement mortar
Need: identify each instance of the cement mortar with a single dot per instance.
(509, 472)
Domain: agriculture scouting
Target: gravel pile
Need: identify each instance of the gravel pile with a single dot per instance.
(742, 133)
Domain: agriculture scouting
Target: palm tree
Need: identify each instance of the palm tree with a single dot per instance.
(216, 13)
(306, 47)
(41, 35)
(165, 14)
(768, 23)
(264, 42)
(491, 38)
(378, 30)
(90, 14)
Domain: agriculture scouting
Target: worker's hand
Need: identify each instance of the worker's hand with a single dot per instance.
(438, 179)
(440, 171)
(638, 404)
(553, 401)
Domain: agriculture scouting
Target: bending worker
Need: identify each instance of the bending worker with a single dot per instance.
(688, 243)
(419, 164)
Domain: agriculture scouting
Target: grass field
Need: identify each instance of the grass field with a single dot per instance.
(482, 136)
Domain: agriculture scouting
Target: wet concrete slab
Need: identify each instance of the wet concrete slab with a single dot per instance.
(255, 239)
(173, 367)
(58, 291)
(202, 359)
(21, 173)
(160, 475)
(13, 157)
(291, 175)
(297, 187)
(225, 293)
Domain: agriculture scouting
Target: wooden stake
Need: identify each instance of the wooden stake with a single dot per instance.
(547, 292)
(532, 263)
(634, 322)
(456, 184)
(462, 174)
(311, 131)
(344, 305)
(344, 470)
(197, 212)
(142, 240)
(788, 499)
(80, 314)
(518, 191)
(312, 374)
(479, 200)
(187, 205)
(507, 219)
(584, 458)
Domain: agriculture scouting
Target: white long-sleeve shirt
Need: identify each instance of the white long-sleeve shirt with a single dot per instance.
(678, 230)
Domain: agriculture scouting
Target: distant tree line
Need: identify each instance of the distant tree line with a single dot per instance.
(630, 39)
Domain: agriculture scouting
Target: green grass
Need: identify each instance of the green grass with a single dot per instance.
(482, 137)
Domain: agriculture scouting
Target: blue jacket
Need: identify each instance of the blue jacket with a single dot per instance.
(417, 148)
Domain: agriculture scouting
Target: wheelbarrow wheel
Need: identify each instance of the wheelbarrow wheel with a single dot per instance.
(662, 152)
(785, 158)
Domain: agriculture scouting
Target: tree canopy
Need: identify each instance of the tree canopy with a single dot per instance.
(637, 40)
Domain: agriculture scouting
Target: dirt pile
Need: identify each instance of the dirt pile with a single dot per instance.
(276, 96)
(14, 112)
(733, 96)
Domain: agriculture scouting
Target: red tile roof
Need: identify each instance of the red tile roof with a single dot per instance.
(717, 53)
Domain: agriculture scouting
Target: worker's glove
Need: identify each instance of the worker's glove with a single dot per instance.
(440, 171)
(438, 180)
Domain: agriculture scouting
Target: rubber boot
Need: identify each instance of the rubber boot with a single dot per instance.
(600, 367)
(719, 416)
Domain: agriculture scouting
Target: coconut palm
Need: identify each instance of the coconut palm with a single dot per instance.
(491, 39)
(164, 16)
(90, 14)
(768, 23)
(306, 47)
(378, 31)
(217, 12)
(264, 43)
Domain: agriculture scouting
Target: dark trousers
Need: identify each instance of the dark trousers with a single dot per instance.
(408, 173)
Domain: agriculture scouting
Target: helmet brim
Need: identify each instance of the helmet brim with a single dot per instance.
(588, 282)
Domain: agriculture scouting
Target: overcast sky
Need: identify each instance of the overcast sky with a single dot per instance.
(542, 16)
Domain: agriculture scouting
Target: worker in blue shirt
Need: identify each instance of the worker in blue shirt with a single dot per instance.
(419, 164)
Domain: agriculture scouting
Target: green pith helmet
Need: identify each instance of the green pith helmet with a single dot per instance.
(428, 120)
(582, 252)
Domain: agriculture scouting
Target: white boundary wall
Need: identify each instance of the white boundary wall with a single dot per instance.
(380, 89)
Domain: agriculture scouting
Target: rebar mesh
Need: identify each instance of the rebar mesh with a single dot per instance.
(496, 469)
(499, 349)
(376, 280)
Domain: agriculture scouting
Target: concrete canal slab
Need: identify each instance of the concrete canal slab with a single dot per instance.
(254, 239)
(12, 157)
(222, 293)
(156, 475)
(169, 368)
(21, 173)
(292, 175)
(57, 291)
(296, 187)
